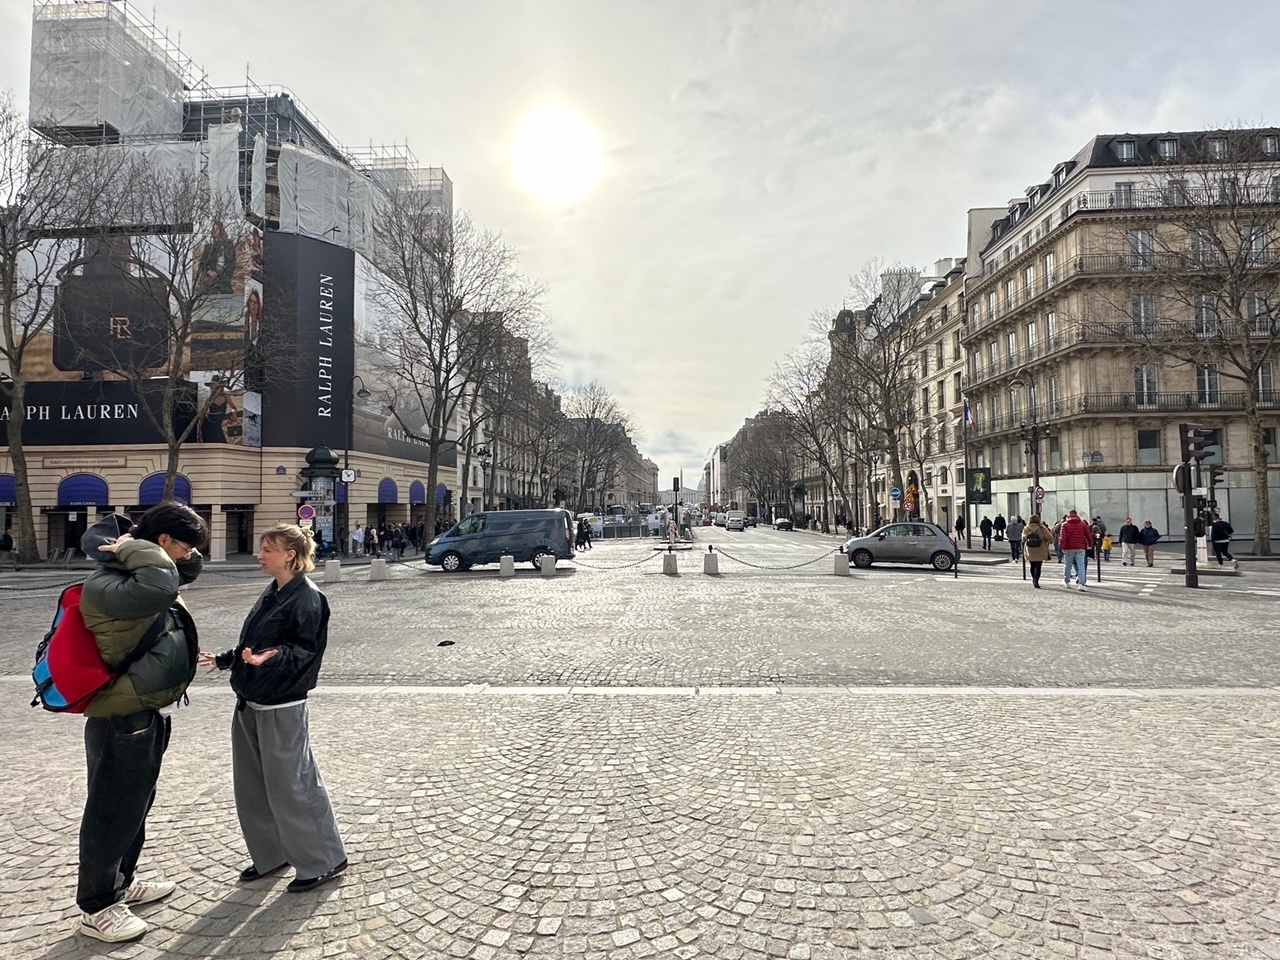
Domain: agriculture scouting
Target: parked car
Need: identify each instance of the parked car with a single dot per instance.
(913, 542)
(752, 521)
(782, 523)
(735, 520)
(720, 519)
(485, 537)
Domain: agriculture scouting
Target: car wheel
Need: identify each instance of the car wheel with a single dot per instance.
(451, 562)
(862, 558)
(943, 560)
(537, 558)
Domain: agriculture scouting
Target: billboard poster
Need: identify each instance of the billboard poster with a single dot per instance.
(979, 485)
(83, 412)
(309, 285)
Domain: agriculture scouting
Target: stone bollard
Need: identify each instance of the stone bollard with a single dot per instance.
(506, 565)
(842, 565)
(378, 569)
(332, 572)
(548, 566)
(711, 564)
(669, 564)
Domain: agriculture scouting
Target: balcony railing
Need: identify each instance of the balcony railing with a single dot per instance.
(1212, 401)
(1173, 196)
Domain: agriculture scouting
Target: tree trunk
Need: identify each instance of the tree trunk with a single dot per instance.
(1261, 487)
(28, 550)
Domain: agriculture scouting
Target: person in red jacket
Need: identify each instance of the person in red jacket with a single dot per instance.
(1075, 541)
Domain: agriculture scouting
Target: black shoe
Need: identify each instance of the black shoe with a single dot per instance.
(299, 885)
(251, 873)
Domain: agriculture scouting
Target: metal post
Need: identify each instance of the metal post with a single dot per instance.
(1189, 547)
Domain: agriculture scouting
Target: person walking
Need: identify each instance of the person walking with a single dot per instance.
(1057, 536)
(999, 526)
(1037, 540)
(281, 801)
(357, 541)
(985, 527)
(1149, 536)
(1098, 528)
(1220, 533)
(1014, 531)
(959, 529)
(1076, 541)
(371, 541)
(1129, 534)
(130, 604)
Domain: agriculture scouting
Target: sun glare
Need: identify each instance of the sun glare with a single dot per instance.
(556, 155)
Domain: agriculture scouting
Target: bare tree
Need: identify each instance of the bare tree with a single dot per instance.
(450, 294)
(872, 348)
(1201, 256)
(762, 458)
(49, 195)
(598, 434)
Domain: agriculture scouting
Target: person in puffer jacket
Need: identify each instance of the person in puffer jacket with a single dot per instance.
(132, 600)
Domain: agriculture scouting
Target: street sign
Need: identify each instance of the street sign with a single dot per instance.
(1039, 494)
(322, 503)
(303, 494)
(895, 494)
(306, 512)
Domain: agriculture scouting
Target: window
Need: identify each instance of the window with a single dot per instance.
(992, 303)
(1051, 394)
(1259, 311)
(1176, 193)
(976, 317)
(1144, 313)
(1029, 281)
(1140, 249)
(1055, 453)
(1271, 145)
(924, 363)
(1048, 270)
(1031, 340)
(1051, 330)
(1011, 347)
(993, 356)
(955, 345)
(1218, 148)
(1149, 448)
(1253, 242)
(1059, 177)
(1206, 315)
(1228, 190)
(1207, 384)
(1204, 247)
(1269, 443)
(1144, 384)
(938, 355)
(1266, 383)
(1125, 149)
(1168, 149)
(1124, 195)
(997, 459)
(1010, 293)
(941, 391)
(956, 387)
(924, 400)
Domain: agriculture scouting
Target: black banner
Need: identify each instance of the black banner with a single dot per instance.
(310, 286)
(84, 412)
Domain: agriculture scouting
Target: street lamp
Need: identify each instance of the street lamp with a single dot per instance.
(1031, 434)
(545, 477)
(484, 479)
(348, 475)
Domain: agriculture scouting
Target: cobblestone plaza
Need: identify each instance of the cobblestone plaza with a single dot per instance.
(768, 763)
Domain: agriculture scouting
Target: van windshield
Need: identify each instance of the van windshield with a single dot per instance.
(473, 524)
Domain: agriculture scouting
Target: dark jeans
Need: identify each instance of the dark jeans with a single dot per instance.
(1015, 548)
(1036, 566)
(1222, 549)
(124, 755)
(986, 541)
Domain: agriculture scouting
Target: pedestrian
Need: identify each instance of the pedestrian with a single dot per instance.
(357, 541)
(1220, 535)
(1037, 540)
(1076, 540)
(1099, 530)
(1128, 542)
(999, 526)
(586, 534)
(281, 801)
(1014, 530)
(129, 601)
(1106, 547)
(959, 529)
(985, 526)
(371, 541)
(1149, 536)
(1057, 536)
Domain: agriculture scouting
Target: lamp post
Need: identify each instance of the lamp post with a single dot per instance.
(348, 475)
(545, 477)
(484, 480)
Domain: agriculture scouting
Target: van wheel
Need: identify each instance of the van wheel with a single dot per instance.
(537, 558)
(451, 562)
(862, 558)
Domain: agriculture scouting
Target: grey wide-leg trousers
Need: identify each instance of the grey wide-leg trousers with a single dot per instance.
(281, 801)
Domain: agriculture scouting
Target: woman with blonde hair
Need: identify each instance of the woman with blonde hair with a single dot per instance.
(284, 809)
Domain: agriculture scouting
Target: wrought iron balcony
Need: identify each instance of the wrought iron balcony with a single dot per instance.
(1085, 404)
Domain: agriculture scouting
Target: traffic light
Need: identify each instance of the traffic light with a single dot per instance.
(1194, 438)
(1214, 475)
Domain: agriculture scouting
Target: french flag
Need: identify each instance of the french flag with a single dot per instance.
(970, 420)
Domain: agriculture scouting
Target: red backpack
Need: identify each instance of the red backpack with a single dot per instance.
(69, 670)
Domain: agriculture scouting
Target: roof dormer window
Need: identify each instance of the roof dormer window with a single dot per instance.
(1168, 149)
(1271, 145)
(1218, 148)
(1126, 149)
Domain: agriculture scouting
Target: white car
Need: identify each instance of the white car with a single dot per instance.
(735, 520)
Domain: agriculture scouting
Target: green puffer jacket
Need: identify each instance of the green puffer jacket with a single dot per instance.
(120, 602)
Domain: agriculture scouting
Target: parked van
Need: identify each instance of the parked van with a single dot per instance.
(485, 537)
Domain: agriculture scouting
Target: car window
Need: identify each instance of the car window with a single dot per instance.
(923, 530)
(898, 530)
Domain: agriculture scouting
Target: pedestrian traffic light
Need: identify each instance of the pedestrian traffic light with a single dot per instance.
(1194, 439)
(1215, 474)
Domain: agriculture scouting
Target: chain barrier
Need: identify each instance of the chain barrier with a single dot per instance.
(621, 566)
(33, 587)
(762, 566)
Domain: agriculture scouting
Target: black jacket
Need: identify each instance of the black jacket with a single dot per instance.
(1220, 531)
(1129, 533)
(293, 620)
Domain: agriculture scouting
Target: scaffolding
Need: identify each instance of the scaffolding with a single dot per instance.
(100, 72)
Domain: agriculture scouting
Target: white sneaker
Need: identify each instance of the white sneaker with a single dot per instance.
(116, 924)
(144, 891)
(1083, 587)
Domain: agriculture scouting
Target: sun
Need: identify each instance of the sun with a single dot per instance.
(556, 155)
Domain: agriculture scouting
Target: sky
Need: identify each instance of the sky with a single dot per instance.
(755, 153)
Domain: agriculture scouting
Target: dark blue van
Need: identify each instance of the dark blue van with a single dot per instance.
(485, 537)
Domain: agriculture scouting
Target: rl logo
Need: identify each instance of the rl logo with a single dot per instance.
(120, 328)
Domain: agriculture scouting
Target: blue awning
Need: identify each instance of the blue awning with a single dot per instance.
(83, 490)
(417, 492)
(388, 492)
(151, 490)
(441, 492)
(339, 493)
(8, 490)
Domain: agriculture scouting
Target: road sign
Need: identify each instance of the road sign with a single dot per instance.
(306, 512)
(303, 494)
(910, 506)
(323, 503)
(895, 494)
(1039, 494)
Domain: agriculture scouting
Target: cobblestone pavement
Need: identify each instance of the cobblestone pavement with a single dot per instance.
(678, 767)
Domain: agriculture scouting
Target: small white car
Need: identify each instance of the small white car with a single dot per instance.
(735, 520)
